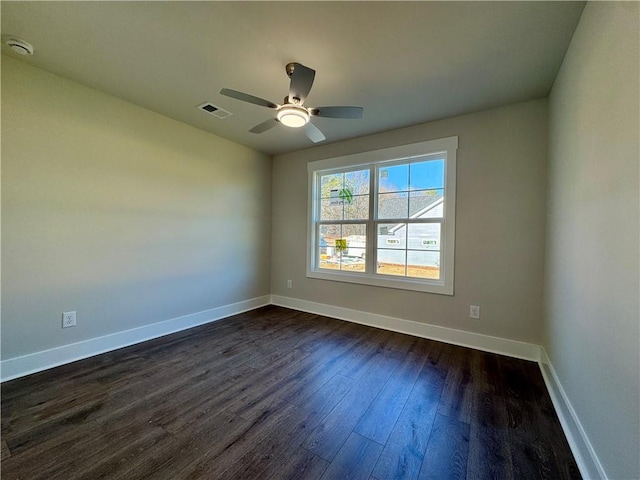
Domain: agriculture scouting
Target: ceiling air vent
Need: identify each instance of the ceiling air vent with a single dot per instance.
(214, 110)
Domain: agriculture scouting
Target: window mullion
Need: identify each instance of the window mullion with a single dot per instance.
(371, 231)
(341, 222)
(413, 220)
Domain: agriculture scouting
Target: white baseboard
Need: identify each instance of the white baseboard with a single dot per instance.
(43, 360)
(586, 458)
(503, 346)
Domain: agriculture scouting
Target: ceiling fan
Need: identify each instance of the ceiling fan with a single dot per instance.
(292, 113)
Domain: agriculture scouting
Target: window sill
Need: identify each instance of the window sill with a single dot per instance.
(434, 286)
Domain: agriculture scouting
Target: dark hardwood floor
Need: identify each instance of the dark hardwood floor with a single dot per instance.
(276, 393)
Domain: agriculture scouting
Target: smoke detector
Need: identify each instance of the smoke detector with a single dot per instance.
(19, 46)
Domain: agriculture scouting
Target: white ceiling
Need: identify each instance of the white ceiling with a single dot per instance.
(404, 62)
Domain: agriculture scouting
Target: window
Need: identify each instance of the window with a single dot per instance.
(385, 217)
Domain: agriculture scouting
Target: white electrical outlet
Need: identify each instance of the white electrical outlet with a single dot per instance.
(68, 319)
(474, 311)
(289, 283)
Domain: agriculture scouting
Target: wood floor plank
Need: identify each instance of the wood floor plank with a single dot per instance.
(548, 424)
(489, 453)
(223, 464)
(302, 464)
(487, 408)
(292, 379)
(212, 396)
(187, 394)
(404, 451)
(328, 437)
(43, 462)
(516, 390)
(329, 363)
(263, 460)
(355, 460)
(6, 453)
(459, 390)
(378, 421)
(209, 437)
(438, 355)
(118, 453)
(447, 451)
(278, 393)
(369, 348)
(532, 457)
(42, 425)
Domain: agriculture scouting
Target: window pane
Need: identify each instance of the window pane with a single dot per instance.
(423, 264)
(342, 247)
(331, 182)
(327, 257)
(358, 209)
(393, 179)
(391, 262)
(426, 175)
(357, 182)
(353, 258)
(425, 204)
(392, 235)
(329, 210)
(393, 205)
(424, 236)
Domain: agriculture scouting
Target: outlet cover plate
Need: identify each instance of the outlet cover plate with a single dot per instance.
(68, 319)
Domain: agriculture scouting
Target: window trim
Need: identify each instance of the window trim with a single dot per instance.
(447, 146)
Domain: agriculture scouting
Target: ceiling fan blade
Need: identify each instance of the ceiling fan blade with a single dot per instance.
(301, 82)
(338, 112)
(264, 126)
(314, 133)
(245, 97)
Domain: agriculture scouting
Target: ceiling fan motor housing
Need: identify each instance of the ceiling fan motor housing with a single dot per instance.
(290, 68)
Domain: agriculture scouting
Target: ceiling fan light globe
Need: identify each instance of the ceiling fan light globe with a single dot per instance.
(294, 117)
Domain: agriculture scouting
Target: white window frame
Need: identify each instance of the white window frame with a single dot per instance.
(447, 149)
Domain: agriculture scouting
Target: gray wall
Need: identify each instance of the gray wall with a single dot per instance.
(121, 214)
(499, 225)
(591, 327)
